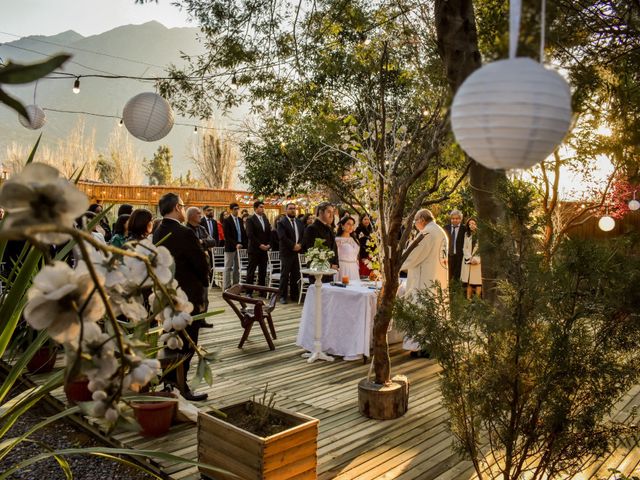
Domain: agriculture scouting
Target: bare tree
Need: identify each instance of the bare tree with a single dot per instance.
(215, 157)
(125, 161)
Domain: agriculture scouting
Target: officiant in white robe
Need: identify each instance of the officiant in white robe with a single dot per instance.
(427, 262)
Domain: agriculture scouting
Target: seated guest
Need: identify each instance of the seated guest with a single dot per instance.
(140, 224)
(471, 272)
(96, 209)
(119, 236)
(348, 249)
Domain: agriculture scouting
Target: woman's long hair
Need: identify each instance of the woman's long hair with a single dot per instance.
(341, 224)
(469, 233)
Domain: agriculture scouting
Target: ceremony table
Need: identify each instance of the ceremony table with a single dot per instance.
(346, 320)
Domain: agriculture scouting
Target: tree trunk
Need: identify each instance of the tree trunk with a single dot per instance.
(458, 47)
(381, 361)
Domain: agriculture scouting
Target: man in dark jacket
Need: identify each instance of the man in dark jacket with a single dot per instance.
(235, 238)
(194, 217)
(191, 274)
(259, 235)
(209, 223)
(290, 231)
(321, 228)
(455, 231)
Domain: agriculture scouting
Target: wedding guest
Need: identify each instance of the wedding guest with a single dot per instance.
(455, 233)
(363, 234)
(235, 239)
(97, 208)
(426, 265)
(191, 274)
(290, 240)
(97, 230)
(119, 236)
(348, 249)
(471, 273)
(259, 235)
(209, 223)
(124, 209)
(223, 216)
(140, 224)
(275, 241)
(308, 219)
(194, 222)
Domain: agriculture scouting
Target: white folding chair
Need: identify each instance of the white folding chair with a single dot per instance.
(303, 283)
(218, 265)
(243, 263)
(273, 269)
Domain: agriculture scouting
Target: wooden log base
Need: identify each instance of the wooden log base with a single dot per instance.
(384, 402)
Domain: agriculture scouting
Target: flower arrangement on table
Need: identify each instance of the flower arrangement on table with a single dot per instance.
(319, 255)
(97, 310)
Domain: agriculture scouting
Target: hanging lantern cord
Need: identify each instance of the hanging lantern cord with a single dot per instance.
(543, 20)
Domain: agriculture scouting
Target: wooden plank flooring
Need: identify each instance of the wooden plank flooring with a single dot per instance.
(417, 446)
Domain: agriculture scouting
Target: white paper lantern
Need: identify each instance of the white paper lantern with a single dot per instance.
(606, 223)
(634, 204)
(36, 119)
(148, 116)
(511, 113)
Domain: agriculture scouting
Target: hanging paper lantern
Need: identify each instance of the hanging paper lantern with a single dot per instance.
(511, 113)
(148, 117)
(606, 223)
(36, 119)
(634, 204)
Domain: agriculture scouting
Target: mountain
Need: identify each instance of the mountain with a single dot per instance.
(128, 50)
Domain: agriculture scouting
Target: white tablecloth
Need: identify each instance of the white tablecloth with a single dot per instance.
(347, 320)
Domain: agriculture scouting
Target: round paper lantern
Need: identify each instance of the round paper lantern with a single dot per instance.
(634, 204)
(511, 113)
(148, 117)
(606, 223)
(36, 119)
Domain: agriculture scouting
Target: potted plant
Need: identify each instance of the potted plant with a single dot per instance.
(257, 441)
(155, 416)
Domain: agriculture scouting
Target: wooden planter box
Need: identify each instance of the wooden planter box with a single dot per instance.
(291, 453)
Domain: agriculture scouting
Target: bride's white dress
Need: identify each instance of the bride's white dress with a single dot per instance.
(348, 250)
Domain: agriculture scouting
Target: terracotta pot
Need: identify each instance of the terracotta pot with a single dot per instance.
(155, 418)
(43, 361)
(77, 390)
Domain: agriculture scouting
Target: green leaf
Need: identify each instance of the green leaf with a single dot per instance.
(167, 457)
(14, 302)
(13, 103)
(33, 150)
(200, 316)
(15, 73)
(22, 363)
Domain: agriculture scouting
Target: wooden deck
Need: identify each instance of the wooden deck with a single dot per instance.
(417, 446)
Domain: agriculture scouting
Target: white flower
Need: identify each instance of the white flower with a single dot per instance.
(132, 307)
(38, 196)
(172, 340)
(161, 261)
(112, 414)
(99, 395)
(175, 320)
(142, 372)
(57, 295)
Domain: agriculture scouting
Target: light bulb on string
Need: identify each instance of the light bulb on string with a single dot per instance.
(234, 83)
(195, 130)
(634, 204)
(76, 86)
(120, 123)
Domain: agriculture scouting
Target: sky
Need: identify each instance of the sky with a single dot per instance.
(87, 17)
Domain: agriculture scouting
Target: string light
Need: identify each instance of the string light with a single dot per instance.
(195, 130)
(120, 123)
(234, 83)
(76, 86)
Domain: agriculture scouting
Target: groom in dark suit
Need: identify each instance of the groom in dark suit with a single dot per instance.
(290, 231)
(455, 231)
(191, 275)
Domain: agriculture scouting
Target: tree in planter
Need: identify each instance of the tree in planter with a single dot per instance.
(358, 110)
(529, 383)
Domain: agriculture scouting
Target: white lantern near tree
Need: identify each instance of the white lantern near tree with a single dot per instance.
(633, 203)
(606, 223)
(36, 119)
(148, 117)
(511, 113)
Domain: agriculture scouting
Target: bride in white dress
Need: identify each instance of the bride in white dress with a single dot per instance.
(348, 250)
